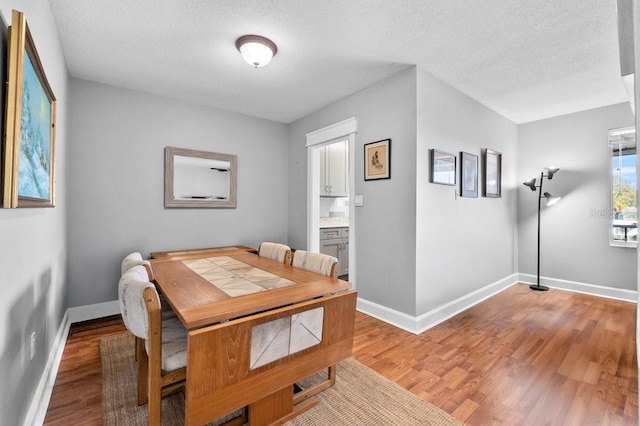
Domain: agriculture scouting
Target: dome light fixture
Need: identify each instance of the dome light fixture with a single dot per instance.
(256, 50)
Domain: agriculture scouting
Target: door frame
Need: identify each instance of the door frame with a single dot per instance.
(342, 130)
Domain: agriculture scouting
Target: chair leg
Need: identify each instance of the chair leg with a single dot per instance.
(135, 347)
(154, 406)
(143, 372)
(332, 375)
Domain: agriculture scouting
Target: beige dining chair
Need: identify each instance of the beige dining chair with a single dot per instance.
(135, 259)
(275, 251)
(316, 262)
(131, 260)
(325, 265)
(162, 359)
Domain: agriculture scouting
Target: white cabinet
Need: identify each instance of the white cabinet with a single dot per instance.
(335, 242)
(334, 181)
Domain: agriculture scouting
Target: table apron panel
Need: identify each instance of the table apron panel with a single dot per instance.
(219, 379)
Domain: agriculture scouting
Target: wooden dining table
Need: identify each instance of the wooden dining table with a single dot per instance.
(229, 299)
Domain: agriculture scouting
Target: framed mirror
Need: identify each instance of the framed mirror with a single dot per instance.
(199, 179)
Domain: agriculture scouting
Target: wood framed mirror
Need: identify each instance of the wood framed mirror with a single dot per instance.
(199, 179)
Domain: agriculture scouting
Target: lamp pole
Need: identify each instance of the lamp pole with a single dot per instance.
(537, 286)
(531, 184)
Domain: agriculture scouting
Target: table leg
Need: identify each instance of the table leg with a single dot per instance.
(277, 408)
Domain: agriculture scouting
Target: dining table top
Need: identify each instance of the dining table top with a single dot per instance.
(201, 297)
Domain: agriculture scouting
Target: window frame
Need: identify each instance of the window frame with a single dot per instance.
(614, 138)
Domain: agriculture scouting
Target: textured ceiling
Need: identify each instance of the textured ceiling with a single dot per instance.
(525, 59)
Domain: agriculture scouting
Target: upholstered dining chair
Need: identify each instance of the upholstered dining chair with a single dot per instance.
(325, 265)
(275, 251)
(135, 259)
(316, 262)
(131, 260)
(162, 359)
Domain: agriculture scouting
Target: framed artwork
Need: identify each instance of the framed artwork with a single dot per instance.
(468, 175)
(28, 175)
(199, 179)
(443, 167)
(492, 186)
(377, 160)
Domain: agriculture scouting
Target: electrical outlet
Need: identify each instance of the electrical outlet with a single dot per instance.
(33, 344)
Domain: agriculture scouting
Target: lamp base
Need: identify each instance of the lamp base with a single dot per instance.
(539, 287)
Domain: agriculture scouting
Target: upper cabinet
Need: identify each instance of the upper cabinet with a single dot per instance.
(334, 166)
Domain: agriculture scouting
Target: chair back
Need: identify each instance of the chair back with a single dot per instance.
(135, 259)
(275, 251)
(316, 262)
(132, 304)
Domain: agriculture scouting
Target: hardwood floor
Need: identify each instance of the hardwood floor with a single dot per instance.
(77, 392)
(520, 357)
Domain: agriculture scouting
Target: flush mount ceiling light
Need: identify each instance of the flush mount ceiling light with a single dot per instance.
(256, 50)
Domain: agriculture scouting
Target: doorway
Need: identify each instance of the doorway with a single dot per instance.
(322, 143)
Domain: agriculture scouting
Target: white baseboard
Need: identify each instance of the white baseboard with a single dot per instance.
(40, 402)
(578, 287)
(434, 317)
(97, 310)
(444, 312)
(417, 325)
(388, 315)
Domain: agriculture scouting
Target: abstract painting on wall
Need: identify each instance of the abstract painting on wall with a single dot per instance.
(28, 176)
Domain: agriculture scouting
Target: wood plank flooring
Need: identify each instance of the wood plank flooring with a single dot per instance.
(77, 392)
(520, 357)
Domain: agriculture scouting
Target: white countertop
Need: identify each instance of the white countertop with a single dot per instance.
(334, 222)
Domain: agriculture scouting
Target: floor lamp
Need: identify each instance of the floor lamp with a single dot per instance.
(551, 200)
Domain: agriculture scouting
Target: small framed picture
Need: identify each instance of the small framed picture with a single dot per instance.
(468, 175)
(492, 182)
(377, 160)
(443, 167)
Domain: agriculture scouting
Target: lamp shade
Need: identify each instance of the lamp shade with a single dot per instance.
(531, 183)
(551, 199)
(551, 171)
(256, 50)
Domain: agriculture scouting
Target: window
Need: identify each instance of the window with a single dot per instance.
(624, 203)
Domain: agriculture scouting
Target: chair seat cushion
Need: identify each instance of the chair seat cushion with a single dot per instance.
(174, 355)
(174, 344)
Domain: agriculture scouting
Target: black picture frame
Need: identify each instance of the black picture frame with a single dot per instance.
(377, 160)
(443, 168)
(468, 175)
(492, 182)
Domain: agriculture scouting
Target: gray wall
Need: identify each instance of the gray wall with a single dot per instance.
(33, 251)
(116, 182)
(462, 244)
(386, 223)
(575, 232)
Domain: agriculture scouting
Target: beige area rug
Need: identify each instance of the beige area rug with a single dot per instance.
(360, 396)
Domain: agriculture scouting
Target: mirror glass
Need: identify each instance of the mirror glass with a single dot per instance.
(199, 179)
